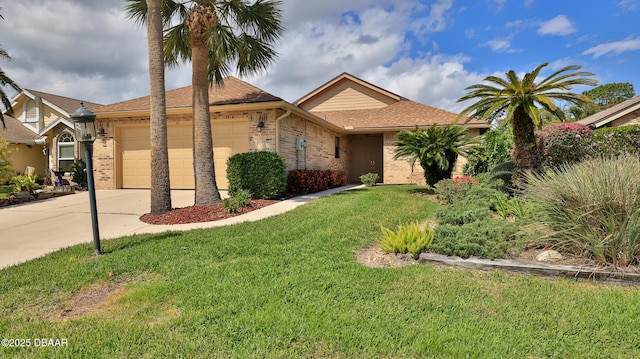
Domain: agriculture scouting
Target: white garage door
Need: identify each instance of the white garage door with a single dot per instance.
(229, 137)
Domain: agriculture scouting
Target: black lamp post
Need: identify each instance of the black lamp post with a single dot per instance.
(85, 128)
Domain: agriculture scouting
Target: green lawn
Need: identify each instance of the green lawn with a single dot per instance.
(289, 287)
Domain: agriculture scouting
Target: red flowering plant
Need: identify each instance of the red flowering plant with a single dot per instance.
(449, 190)
(311, 181)
(563, 143)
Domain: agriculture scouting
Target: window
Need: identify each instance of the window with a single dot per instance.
(337, 153)
(66, 153)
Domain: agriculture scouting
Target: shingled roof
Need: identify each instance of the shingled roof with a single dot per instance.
(612, 113)
(16, 132)
(404, 113)
(67, 104)
(235, 91)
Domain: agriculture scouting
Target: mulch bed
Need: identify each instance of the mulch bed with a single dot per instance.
(208, 213)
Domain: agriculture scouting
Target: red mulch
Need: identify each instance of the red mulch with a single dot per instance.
(195, 214)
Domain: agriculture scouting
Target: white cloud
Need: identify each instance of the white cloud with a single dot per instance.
(501, 45)
(558, 26)
(628, 5)
(615, 47)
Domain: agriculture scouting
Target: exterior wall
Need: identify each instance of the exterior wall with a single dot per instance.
(23, 156)
(399, 171)
(320, 151)
(347, 95)
(632, 118)
(106, 152)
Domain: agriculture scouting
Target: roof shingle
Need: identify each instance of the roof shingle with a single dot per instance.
(16, 132)
(234, 91)
(66, 103)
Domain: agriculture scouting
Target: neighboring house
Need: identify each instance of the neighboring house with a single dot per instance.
(622, 114)
(346, 124)
(48, 117)
(26, 147)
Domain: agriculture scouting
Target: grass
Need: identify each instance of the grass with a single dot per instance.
(289, 287)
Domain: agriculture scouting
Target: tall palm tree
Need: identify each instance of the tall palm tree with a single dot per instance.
(435, 148)
(519, 100)
(217, 35)
(160, 182)
(6, 81)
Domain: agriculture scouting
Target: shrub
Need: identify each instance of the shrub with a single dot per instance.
(467, 227)
(489, 238)
(512, 207)
(230, 205)
(450, 190)
(563, 143)
(243, 197)
(5, 161)
(615, 141)
(494, 148)
(25, 183)
(262, 173)
(502, 176)
(369, 179)
(592, 208)
(337, 178)
(408, 238)
(79, 171)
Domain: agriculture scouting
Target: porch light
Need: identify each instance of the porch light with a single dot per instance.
(260, 126)
(85, 129)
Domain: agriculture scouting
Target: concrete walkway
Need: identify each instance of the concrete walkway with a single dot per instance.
(31, 230)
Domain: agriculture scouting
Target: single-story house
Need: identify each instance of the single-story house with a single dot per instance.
(42, 129)
(622, 114)
(345, 124)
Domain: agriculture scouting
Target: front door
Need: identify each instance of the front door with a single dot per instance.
(366, 155)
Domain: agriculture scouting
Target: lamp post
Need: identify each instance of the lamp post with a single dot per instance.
(85, 129)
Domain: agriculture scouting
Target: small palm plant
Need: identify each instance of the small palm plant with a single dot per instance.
(435, 148)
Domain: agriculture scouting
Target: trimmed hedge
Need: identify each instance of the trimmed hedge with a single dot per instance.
(262, 173)
(311, 181)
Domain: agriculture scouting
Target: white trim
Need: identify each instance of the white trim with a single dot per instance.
(58, 121)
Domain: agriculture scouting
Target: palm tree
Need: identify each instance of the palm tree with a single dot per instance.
(518, 99)
(217, 35)
(436, 148)
(6, 81)
(160, 183)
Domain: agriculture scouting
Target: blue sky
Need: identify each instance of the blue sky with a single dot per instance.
(428, 51)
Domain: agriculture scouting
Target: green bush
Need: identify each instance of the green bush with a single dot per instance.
(489, 238)
(230, 205)
(369, 179)
(407, 239)
(79, 171)
(591, 208)
(501, 176)
(467, 227)
(451, 190)
(615, 141)
(25, 183)
(494, 148)
(262, 173)
(243, 197)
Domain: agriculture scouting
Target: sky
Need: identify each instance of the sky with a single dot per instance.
(425, 50)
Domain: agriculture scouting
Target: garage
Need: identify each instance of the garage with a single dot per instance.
(229, 137)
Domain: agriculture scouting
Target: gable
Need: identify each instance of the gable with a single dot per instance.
(347, 95)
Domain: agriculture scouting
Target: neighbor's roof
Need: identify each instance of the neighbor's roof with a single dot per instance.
(16, 132)
(404, 113)
(234, 91)
(66, 104)
(612, 113)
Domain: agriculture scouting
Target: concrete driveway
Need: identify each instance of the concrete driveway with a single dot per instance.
(31, 230)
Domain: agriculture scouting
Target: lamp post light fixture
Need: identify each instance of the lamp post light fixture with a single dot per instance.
(85, 130)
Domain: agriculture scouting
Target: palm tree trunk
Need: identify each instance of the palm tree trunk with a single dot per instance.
(527, 155)
(160, 184)
(204, 172)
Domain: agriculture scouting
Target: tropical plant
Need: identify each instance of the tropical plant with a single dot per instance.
(150, 12)
(215, 35)
(79, 171)
(435, 148)
(25, 183)
(409, 238)
(493, 149)
(519, 99)
(6, 81)
(590, 208)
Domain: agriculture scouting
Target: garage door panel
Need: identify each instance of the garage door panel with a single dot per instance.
(229, 138)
